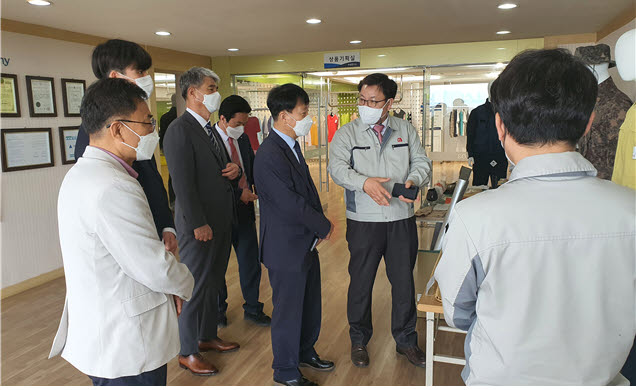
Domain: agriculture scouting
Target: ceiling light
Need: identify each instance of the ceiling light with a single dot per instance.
(355, 42)
(435, 77)
(500, 65)
(501, 48)
(507, 6)
(503, 32)
(280, 60)
(233, 49)
(39, 2)
(381, 55)
(314, 21)
(493, 74)
(163, 33)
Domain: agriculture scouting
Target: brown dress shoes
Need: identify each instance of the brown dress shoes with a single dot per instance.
(198, 365)
(218, 345)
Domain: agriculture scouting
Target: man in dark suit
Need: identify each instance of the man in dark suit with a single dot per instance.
(124, 59)
(204, 181)
(165, 121)
(292, 224)
(233, 115)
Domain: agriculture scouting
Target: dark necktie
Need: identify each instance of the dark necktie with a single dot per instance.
(301, 159)
(208, 128)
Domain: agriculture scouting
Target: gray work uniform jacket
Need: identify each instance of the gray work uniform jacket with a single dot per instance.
(355, 154)
(546, 292)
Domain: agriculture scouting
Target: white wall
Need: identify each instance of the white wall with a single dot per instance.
(28, 228)
(629, 87)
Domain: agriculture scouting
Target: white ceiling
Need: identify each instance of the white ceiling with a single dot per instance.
(258, 27)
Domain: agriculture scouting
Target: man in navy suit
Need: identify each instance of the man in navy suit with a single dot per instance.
(117, 58)
(292, 224)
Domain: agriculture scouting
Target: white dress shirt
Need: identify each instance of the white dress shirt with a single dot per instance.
(226, 141)
(199, 119)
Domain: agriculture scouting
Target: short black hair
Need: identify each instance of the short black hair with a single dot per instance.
(107, 99)
(545, 96)
(285, 98)
(388, 86)
(117, 54)
(232, 105)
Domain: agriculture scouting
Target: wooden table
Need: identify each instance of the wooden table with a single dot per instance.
(432, 307)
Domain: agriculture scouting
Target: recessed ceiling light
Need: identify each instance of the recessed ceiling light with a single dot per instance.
(163, 33)
(503, 32)
(381, 55)
(314, 21)
(501, 48)
(233, 49)
(507, 6)
(355, 42)
(280, 60)
(39, 2)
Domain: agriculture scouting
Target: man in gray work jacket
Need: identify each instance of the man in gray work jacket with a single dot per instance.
(367, 157)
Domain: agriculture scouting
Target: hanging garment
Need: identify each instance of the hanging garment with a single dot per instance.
(332, 126)
(482, 144)
(252, 128)
(625, 162)
(312, 140)
(345, 118)
(599, 146)
(399, 113)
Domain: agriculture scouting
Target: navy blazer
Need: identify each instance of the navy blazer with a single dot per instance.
(291, 212)
(150, 181)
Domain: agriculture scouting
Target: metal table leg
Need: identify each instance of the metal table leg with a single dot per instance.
(430, 330)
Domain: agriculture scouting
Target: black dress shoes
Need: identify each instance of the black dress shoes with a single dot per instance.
(415, 355)
(260, 319)
(302, 381)
(359, 356)
(318, 364)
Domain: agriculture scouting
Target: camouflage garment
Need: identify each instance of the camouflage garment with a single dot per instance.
(599, 146)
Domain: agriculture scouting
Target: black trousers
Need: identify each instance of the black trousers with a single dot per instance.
(157, 377)
(483, 169)
(246, 247)
(208, 263)
(296, 317)
(368, 243)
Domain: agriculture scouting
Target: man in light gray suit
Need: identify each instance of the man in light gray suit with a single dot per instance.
(204, 182)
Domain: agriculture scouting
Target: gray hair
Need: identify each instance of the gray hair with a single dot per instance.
(194, 77)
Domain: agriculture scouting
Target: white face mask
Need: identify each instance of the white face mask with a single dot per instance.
(303, 126)
(235, 132)
(512, 165)
(147, 144)
(146, 83)
(211, 101)
(370, 116)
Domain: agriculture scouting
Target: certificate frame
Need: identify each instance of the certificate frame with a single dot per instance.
(64, 130)
(50, 100)
(69, 109)
(5, 157)
(16, 96)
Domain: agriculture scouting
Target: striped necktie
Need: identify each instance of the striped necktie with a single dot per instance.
(208, 128)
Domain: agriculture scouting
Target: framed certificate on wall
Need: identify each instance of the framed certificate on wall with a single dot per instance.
(68, 138)
(9, 97)
(26, 149)
(72, 94)
(41, 93)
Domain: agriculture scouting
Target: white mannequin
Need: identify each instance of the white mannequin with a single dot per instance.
(601, 71)
(626, 55)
